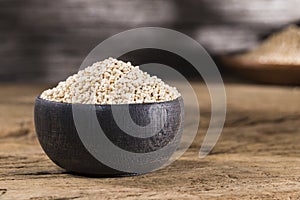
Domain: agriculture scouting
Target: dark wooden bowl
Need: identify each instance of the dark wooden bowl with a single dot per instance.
(272, 73)
(59, 138)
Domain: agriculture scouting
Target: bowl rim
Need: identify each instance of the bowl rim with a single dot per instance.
(180, 98)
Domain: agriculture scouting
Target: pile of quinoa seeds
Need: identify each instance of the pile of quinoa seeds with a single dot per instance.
(111, 81)
(280, 48)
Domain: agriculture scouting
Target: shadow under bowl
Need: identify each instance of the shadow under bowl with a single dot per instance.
(58, 129)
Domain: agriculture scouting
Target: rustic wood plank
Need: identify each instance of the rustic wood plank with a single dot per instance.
(257, 155)
(38, 39)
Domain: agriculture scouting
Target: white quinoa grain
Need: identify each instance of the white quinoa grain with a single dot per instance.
(111, 81)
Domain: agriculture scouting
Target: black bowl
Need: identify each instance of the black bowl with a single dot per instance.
(58, 135)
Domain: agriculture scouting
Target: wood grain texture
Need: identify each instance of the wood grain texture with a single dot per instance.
(47, 40)
(257, 156)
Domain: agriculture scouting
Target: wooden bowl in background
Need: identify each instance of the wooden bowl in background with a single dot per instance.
(264, 73)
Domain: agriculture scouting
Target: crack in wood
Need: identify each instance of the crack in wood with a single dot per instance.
(276, 120)
(42, 173)
(3, 192)
(237, 122)
(6, 157)
(248, 121)
(54, 198)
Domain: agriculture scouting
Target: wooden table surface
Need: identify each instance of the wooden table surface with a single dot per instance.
(257, 156)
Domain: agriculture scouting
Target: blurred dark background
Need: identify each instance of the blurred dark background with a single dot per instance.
(46, 41)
